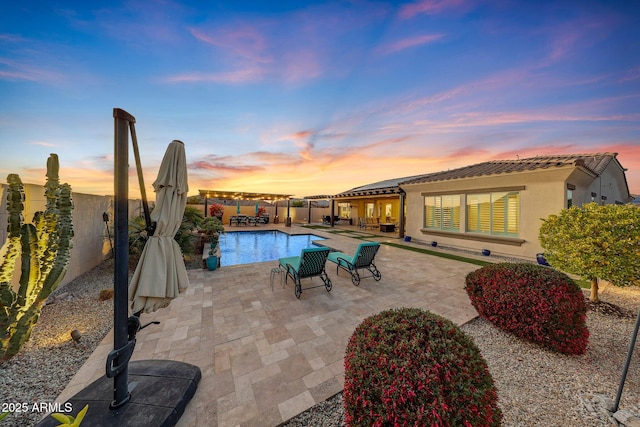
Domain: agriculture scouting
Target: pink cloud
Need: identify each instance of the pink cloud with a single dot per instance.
(630, 75)
(298, 136)
(11, 38)
(43, 144)
(429, 7)
(16, 70)
(237, 76)
(223, 167)
(576, 36)
(301, 65)
(245, 41)
(408, 43)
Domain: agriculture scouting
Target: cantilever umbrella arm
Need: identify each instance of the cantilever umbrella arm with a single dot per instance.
(151, 226)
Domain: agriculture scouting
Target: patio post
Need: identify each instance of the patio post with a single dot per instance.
(309, 201)
(401, 221)
(288, 220)
(333, 209)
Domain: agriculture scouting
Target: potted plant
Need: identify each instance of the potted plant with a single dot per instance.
(216, 210)
(212, 228)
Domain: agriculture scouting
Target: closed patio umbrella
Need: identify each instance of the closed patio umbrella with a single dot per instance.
(161, 274)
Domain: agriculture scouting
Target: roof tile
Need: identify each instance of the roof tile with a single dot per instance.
(594, 162)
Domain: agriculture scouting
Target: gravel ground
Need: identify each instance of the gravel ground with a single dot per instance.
(536, 387)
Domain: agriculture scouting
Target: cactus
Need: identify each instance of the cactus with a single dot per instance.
(44, 249)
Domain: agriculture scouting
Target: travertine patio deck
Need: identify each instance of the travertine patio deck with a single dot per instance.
(266, 356)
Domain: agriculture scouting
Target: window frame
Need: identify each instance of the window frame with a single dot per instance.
(493, 214)
(445, 212)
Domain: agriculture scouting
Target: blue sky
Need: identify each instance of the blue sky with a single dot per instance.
(312, 98)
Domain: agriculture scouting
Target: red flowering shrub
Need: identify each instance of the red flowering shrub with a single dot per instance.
(409, 367)
(536, 303)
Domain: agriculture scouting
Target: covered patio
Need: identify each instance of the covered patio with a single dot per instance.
(243, 195)
(379, 206)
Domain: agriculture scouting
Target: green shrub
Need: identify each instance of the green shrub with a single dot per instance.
(533, 302)
(407, 367)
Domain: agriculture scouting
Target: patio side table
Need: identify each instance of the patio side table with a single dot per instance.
(277, 271)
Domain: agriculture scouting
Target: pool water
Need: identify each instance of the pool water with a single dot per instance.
(245, 247)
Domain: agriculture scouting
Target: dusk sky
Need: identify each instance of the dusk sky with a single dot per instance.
(310, 98)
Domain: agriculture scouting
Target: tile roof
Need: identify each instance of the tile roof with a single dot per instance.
(380, 188)
(388, 183)
(594, 162)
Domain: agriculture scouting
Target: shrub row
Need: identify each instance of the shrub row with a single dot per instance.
(533, 302)
(409, 367)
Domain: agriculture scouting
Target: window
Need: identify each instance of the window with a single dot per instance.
(344, 210)
(369, 210)
(494, 213)
(570, 188)
(442, 212)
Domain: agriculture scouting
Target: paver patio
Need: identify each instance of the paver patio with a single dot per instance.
(266, 356)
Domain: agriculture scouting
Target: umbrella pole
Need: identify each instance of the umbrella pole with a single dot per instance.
(121, 356)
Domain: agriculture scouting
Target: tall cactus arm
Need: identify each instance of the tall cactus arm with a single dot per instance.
(30, 268)
(47, 221)
(64, 234)
(15, 206)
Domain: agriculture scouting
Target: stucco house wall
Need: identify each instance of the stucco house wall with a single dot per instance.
(543, 191)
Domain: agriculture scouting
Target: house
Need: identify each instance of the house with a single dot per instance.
(499, 205)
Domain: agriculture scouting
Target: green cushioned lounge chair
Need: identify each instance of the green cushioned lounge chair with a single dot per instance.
(310, 263)
(361, 260)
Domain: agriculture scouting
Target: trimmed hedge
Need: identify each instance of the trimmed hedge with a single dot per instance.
(533, 302)
(409, 367)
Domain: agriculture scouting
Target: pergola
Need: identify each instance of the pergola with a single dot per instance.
(322, 197)
(243, 195)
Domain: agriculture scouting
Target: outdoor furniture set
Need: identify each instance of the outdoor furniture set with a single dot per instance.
(311, 262)
(326, 219)
(239, 220)
(369, 223)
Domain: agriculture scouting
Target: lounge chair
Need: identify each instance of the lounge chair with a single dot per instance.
(310, 263)
(361, 260)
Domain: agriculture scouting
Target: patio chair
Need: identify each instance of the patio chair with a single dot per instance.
(310, 263)
(361, 260)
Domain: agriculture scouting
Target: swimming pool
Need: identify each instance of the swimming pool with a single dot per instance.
(245, 247)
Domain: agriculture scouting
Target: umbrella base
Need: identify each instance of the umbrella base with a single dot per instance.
(160, 392)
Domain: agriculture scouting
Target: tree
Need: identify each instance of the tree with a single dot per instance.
(595, 242)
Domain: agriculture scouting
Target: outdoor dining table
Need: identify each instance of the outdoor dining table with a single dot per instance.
(387, 227)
